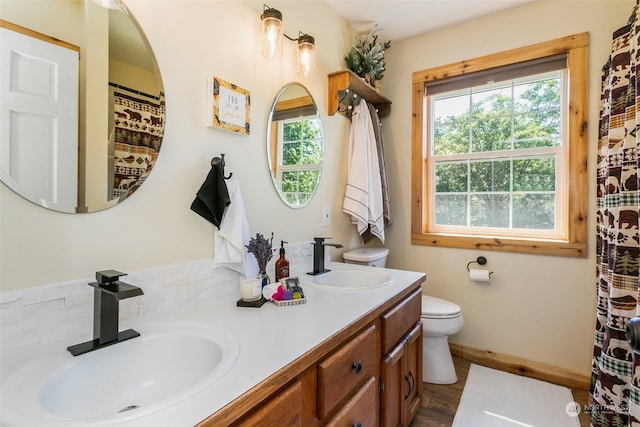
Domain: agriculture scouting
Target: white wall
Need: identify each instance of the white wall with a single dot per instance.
(539, 308)
(192, 40)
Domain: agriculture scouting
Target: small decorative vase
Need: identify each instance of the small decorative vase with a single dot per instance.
(266, 280)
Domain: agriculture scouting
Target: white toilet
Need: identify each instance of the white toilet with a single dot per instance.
(440, 318)
(373, 257)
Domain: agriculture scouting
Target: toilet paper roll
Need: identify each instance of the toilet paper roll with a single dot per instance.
(479, 275)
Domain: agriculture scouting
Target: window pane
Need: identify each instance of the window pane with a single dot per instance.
(534, 174)
(451, 209)
(537, 129)
(534, 211)
(291, 153)
(311, 152)
(489, 103)
(448, 107)
(490, 210)
(292, 198)
(494, 175)
(451, 177)
(492, 134)
(292, 131)
(303, 198)
(289, 182)
(308, 180)
(451, 136)
(543, 94)
(311, 129)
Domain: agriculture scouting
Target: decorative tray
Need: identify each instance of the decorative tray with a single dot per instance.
(290, 286)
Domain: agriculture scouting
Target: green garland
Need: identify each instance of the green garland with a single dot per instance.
(366, 57)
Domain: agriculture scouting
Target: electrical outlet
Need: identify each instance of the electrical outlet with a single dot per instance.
(326, 215)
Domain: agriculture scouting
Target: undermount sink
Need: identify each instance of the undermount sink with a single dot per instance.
(349, 279)
(165, 365)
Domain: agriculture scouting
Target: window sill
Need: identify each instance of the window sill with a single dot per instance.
(503, 244)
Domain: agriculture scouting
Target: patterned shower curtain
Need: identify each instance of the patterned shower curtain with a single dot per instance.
(615, 380)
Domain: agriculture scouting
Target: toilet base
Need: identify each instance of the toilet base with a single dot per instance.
(437, 364)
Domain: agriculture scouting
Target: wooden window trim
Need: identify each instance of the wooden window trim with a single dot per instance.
(576, 48)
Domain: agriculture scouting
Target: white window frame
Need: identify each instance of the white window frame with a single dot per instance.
(559, 152)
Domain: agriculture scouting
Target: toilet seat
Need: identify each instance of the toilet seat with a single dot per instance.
(436, 308)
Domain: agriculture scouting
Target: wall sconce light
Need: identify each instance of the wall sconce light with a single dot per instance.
(272, 42)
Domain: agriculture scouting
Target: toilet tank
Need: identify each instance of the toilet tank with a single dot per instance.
(373, 257)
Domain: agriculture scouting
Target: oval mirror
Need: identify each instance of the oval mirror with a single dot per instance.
(84, 138)
(295, 145)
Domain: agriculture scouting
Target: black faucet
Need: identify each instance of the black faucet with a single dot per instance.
(106, 297)
(318, 255)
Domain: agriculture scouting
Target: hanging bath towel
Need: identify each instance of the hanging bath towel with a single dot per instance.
(363, 195)
(367, 236)
(229, 242)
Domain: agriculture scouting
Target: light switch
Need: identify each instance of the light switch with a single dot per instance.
(326, 215)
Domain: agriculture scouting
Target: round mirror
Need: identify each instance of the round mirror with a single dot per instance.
(295, 145)
(82, 106)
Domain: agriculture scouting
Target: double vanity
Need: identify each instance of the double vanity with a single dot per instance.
(351, 355)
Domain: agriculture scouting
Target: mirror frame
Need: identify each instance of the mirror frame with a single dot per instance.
(301, 108)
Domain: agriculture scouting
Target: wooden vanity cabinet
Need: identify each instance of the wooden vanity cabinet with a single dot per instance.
(368, 374)
(401, 371)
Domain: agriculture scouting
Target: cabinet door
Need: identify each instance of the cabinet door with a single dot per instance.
(413, 373)
(402, 380)
(392, 386)
(284, 409)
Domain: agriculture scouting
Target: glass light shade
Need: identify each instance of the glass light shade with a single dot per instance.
(272, 34)
(306, 56)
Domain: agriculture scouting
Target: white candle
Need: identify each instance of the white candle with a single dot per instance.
(250, 288)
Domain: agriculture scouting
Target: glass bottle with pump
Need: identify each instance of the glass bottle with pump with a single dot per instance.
(282, 264)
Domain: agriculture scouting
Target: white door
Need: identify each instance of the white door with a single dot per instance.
(39, 120)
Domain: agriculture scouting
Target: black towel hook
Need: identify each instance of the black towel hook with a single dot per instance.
(219, 161)
(348, 100)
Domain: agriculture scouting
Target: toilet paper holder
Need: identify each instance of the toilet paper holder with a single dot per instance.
(480, 261)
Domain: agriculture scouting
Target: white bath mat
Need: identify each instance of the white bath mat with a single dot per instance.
(493, 398)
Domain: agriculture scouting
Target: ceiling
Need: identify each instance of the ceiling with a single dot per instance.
(402, 19)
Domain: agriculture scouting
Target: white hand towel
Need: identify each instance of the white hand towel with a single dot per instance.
(230, 240)
(363, 195)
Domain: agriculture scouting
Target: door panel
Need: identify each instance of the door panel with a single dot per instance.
(39, 119)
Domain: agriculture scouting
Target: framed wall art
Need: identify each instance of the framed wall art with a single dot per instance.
(228, 106)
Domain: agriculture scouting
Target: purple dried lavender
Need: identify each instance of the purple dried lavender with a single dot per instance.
(261, 249)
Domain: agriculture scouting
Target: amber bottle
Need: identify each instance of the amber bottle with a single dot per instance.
(282, 264)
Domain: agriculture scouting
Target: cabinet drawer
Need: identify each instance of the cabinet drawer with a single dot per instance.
(285, 409)
(397, 321)
(347, 369)
(360, 410)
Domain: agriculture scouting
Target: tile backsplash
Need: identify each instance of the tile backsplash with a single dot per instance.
(49, 312)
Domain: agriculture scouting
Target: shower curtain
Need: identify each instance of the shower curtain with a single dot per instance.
(615, 379)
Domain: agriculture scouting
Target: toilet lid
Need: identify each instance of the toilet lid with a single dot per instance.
(436, 307)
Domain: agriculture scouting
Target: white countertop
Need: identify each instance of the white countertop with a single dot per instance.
(269, 339)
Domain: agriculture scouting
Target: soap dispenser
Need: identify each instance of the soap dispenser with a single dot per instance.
(282, 264)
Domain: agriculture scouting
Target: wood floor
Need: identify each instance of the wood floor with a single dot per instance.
(440, 402)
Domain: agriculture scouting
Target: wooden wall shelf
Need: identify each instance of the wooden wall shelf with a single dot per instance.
(347, 79)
